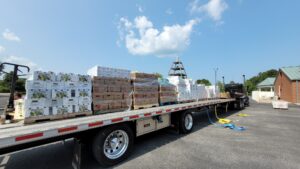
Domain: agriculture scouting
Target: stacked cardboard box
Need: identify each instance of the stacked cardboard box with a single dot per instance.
(145, 90)
(111, 90)
(167, 92)
(61, 95)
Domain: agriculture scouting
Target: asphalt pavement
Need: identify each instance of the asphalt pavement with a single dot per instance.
(271, 140)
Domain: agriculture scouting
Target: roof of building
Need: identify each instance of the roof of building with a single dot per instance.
(293, 72)
(267, 82)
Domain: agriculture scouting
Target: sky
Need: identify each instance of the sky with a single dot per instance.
(236, 36)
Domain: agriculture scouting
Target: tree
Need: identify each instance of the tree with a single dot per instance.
(255, 80)
(204, 82)
(221, 86)
(158, 75)
(5, 84)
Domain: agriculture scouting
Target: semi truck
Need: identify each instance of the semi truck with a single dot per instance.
(111, 136)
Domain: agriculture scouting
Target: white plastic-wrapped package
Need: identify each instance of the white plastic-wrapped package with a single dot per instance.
(213, 92)
(101, 71)
(183, 87)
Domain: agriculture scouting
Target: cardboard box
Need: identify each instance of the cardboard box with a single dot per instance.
(42, 76)
(73, 108)
(66, 77)
(101, 106)
(71, 85)
(30, 84)
(84, 85)
(60, 110)
(84, 93)
(36, 111)
(42, 102)
(114, 88)
(100, 89)
(55, 85)
(70, 101)
(62, 93)
(19, 109)
(84, 78)
(85, 108)
(38, 94)
(84, 101)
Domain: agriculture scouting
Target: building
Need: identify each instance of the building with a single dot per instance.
(267, 84)
(265, 92)
(287, 84)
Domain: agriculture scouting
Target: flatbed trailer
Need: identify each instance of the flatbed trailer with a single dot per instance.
(110, 135)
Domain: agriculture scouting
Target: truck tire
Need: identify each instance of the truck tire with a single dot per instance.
(186, 122)
(241, 105)
(113, 144)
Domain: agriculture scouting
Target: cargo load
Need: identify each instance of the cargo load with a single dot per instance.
(56, 96)
(167, 92)
(145, 90)
(212, 92)
(112, 89)
(182, 88)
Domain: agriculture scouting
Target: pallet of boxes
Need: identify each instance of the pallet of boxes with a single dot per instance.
(51, 96)
(145, 90)
(167, 92)
(111, 89)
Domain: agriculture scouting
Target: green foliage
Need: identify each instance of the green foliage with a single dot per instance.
(5, 84)
(204, 82)
(221, 86)
(252, 82)
(158, 75)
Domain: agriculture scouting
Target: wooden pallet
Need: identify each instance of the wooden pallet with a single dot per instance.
(186, 101)
(137, 107)
(109, 111)
(167, 103)
(38, 119)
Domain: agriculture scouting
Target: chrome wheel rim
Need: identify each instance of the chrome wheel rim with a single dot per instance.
(116, 144)
(188, 121)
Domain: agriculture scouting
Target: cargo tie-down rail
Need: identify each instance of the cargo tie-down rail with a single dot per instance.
(35, 132)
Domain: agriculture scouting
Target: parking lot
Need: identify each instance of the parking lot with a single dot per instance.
(271, 140)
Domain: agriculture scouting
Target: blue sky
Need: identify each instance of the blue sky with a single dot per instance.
(237, 36)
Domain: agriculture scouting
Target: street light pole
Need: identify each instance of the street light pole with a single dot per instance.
(245, 90)
(216, 70)
(223, 80)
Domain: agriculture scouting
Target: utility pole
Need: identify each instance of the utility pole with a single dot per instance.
(223, 80)
(216, 70)
(245, 89)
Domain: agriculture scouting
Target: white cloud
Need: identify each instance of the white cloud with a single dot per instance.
(8, 35)
(2, 49)
(169, 11)
(213, 8)
(141, 38)
(20, 60)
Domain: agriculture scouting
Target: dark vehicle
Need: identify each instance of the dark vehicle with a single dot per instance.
(238, 92)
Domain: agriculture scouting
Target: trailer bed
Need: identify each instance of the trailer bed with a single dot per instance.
(19, 134)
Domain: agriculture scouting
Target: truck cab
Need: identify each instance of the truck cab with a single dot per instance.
(238, 92)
